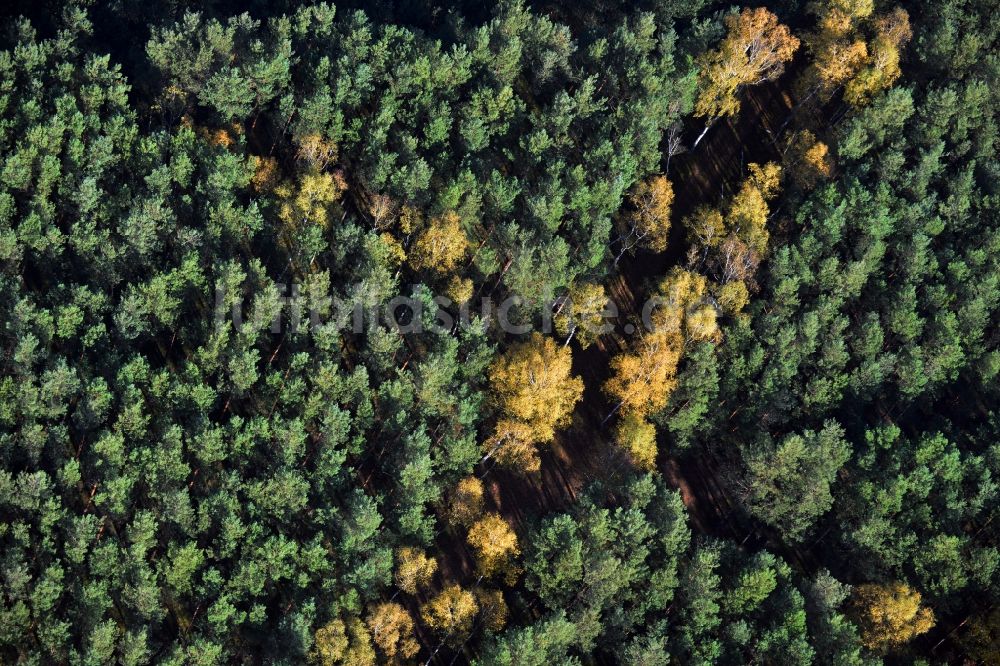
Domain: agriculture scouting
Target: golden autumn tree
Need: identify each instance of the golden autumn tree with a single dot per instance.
(733, 244)
(648, 223)
(683, 308)
(837, 50)
(736, 261)
(582, 315)
(315, 151)
(391, 249)
(890, 615)
(410, 220)
(535, 393)
(895, 26)
(494, 545)
(702, 323)
(705, 227)
(513, 445)
(414, 569)
(459, 290)
(748, 210)
(755, 49)
(340, 643)
(310, 200)
(641, 381)
(732, 297)
(637, 436)
(451, 612)
(843, 55)
(643, 377)
(492, 608)
(882, 67)
(382, 211)
(837, 61)
(465, 502)
(808, 160)
(266, 174)
(440, 245)
(391, 629)
(220, 137)
(740, 236)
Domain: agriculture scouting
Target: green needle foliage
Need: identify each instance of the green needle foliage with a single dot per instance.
(213, 451)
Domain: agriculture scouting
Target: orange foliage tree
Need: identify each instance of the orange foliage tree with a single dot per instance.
(391, 629)
(440, 246)
(648, 223)
(882, 67)
(465, 503)
(494, 544)
(755, 49)
(890, 615)
(535, 392)
(493, 609)
(582, 316)
(844, 56)
(451, 612)
(838, 51)
(808, 160)
(414, 569)
(733, 244)
(643, 377)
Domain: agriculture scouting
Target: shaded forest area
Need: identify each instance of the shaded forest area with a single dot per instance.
(791, 461)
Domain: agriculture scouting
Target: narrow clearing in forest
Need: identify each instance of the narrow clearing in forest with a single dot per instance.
(583, 453)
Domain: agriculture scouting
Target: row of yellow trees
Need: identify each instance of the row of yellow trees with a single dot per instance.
(387, 634)
(535, 392)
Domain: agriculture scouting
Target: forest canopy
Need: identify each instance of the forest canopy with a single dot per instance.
(522, 332)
